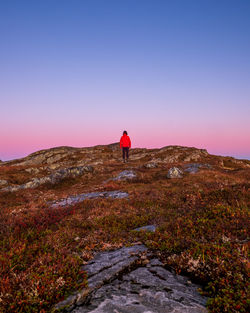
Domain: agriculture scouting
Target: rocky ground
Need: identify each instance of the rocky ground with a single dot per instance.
(54, 165)
(85, 206)
(133, 280)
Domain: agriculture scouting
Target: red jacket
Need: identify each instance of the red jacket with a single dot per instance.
(125, 142)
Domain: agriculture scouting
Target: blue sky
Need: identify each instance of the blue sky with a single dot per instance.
(80, 72)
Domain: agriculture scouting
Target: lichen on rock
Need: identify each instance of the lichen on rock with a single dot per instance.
(175, 172)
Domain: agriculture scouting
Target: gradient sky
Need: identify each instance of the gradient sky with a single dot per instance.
(79, 72)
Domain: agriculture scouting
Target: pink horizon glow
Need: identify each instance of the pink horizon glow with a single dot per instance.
(12, 148)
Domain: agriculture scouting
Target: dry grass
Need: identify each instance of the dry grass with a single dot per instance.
(202, 230)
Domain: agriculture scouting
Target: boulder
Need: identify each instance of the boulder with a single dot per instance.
(3, 182)
(175, 172)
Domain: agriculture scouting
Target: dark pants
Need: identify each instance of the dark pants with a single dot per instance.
(125, 152)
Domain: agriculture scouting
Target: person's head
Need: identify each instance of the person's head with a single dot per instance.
(125, 132)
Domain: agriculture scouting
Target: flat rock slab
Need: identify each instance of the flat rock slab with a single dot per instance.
(148, 228)
(125, 175)
(91, 195)
(131, 280)
(193, 168)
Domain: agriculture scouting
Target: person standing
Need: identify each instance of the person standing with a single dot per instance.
(125, 144)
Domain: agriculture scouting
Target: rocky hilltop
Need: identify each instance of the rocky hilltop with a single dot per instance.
(53, 165)
(81, 231)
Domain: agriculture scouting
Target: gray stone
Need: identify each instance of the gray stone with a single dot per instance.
(116, 194)
(148, 228)
(69, 172)
(155, 262)
(193, 168)
(120, 283)
(3, 182)
(125, 175)
(174, 172)
(151, 165)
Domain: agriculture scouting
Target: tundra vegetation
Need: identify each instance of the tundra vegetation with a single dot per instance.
(202, 221)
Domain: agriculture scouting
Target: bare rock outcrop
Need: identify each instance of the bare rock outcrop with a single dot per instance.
(131, 279)
(54, 178)
(46, 156)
